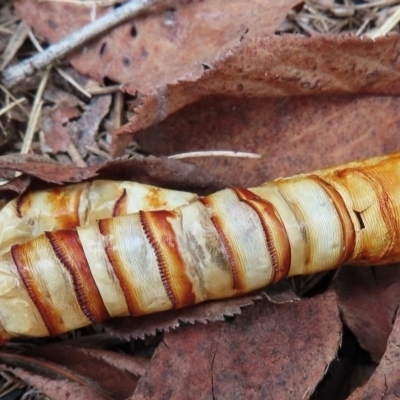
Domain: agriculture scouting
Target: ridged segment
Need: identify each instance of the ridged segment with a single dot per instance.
(103, 273)
(206, 260)
(18, 313)
(274, 230)
(242, 236)
(68, 249)
(318, 222)
(162, 238)
(371, 189)
(348, 231)
(49, 285)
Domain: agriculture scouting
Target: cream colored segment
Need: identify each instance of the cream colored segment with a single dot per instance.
(362, 198)
(104, 194)
(18, 313)
(13, 230)
(139, 261)
(148, 198)
(270, 192)
(40, 217)
(55, 282)
(203, 252)
(97, 201)
(244, 230)
(319, 222)
(102, 271)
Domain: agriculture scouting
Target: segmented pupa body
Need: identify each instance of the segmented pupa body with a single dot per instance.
(223, 245)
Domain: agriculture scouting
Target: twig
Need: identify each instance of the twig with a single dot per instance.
(67, 77)
(15, 74)
(75, 156)
(215, 153)
(14, 44)
(35, 113)
(11, 105)
(387, 26)
(98, 152)
(99, 90)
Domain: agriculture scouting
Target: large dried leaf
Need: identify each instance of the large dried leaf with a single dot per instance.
(277, 67)
(162, 172)
(368, 298)
(161, 46)
(385, 382)
(128, 328)
(269, 351)
(293, 134)
(106, 368)
(58, 382)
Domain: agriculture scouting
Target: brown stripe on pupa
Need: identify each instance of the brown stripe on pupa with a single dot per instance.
(60, 201)
(171, 265)
(22, 202)
(20, 254)
(131, 297)
(238, 278)
(121, 205)
(348, 231)
(274, 230)
(67, 247)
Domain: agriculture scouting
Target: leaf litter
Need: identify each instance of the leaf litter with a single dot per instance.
(308, 112)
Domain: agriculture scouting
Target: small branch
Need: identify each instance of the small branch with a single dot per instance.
(17, 73)
(215, 153)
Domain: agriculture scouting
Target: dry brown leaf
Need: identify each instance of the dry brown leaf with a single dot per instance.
(45, 169)
(106, 368)
(385, 382)
(57, 382)
(268, 352)
(128, 328)
(164, 172)
(161, 46)
(83, 131)
(293, 134)
(275, 67)
(368, 298)
(54, 126)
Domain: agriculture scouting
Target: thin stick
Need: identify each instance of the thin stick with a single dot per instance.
(67, 77)
(11, 105)
(20, 106)
(99, 90)
(75, 156)
(98, 152)
(15, 42)
(34, 117)
(15, 74)
(387, 26)
(215, 153)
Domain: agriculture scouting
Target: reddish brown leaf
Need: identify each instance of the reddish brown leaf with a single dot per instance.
(385, 382)
(293, 135)
(276, 67)
(162, 172)
(108, 369)
(161, 46)
(368, 298)
(128, 328)
(268, 352)
(54, 127)
(44, 169)
(57, 382)
(83, 131)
